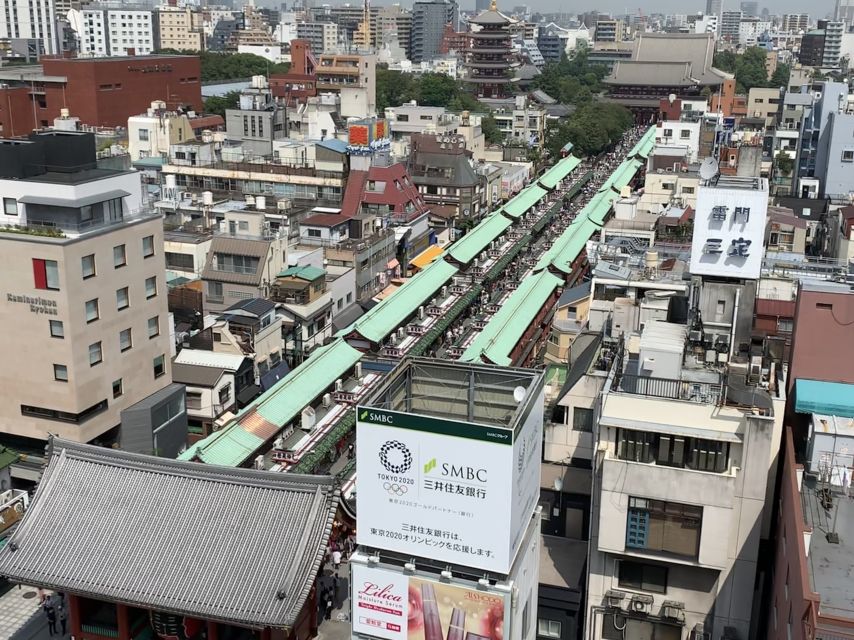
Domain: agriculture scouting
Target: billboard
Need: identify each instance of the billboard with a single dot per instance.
(395, 606)
(444, 489)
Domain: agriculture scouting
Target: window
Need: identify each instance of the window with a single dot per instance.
(637, 446)
(668, 133)
(641, 576)
(86, 213)
(215, 290)
(548, 628)
(60, 372)
(688, 190)
(10, 206)
(87, 263)
(143, 135)
(314, 233)
(181, 261)
(784, 325)
(673, 451)
(194, 400)
(720, 309)
(582, 419)
(56, 329)
(119, 257)
(848, 155)
(122, 299)
(150, 287)
(159, 365)
(668, 527)
(685, 134)
(233, 263)
(225, 394)
(118, 388)
(95, 354)
(92, 310)
(46, 274)
(349, 298)
(125, 340)
(147, 246)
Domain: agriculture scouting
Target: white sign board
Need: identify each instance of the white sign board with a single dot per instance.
(447, 490)
(394, 606)
(729, 231)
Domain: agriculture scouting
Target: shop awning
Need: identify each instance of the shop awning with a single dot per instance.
(828, 398)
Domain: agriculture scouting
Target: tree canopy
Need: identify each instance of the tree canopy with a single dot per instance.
(592, 128)
(232, 66)
(218, 104)
(572, 80)
(749, 69)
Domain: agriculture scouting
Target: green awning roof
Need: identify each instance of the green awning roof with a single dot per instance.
(308, 273)
(384, 318)
(470, 245)
(501, 335)
(644, 145)
(568, 246)
(828, 398)
(563, 168)
(597, 209)
(526, 199)
(233, 445)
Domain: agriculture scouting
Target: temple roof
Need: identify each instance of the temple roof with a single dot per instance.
(215, 543)
(492, 16)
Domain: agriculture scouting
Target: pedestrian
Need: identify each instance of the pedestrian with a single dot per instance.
(329, 605)
(351, 450)
(50, 612)
(63, 619)
(336, 559)
(335, 584)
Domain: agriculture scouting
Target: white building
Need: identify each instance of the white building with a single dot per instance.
(680, 134)
(150, 135)
(116, 31)
(31, 20)
(750, 30)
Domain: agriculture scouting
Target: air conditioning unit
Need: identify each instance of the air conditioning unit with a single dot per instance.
(695, 335)
(755, 367)
(640, 603)
(421, 312)
(723, 358)
(259, 463)
(339, 384)
(308, 418)
(327, 400)
(711, 355)
(673, 610)
(357, 370)
(614, 598)
(401, 333)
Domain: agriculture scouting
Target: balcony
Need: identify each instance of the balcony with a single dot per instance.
(685, 390)
(47, 228)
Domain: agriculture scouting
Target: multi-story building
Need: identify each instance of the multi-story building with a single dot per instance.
(490, 58)
(323, 36)
(750, 8)
(34, 20)
(86, 293)
(180, 28)
(429, 18)
(832, 51)
(729, 25)
(520, 119)
(834, 162)
(795, 22)
(150, 135)
(752, 30)
(811, 53)
(109, 30)
(608, 30)
(258, 121)
(763, 103)
(844, 11)
(713, 7)
(353, 77)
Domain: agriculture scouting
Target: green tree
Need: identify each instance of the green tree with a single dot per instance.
(592, 128)
(572, 80)
(218, 104)
(436, 89)
(780, 77)
(784, 163)
(232, 66)
(490, 130)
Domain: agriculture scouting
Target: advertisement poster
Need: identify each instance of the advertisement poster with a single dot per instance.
(399, 607)
(426, 486)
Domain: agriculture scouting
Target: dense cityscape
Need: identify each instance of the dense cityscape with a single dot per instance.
(310, 304)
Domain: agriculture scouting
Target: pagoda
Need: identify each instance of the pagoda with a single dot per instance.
(490, 57)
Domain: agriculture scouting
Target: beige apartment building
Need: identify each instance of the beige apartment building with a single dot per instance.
(84, 302)
(180, 28)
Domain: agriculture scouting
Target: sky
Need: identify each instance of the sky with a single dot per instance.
(816, 8)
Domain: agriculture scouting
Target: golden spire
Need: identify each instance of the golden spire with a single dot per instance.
(493, 6)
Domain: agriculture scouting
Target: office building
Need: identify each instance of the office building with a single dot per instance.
(608, 30)
(84, 269)
(795, 22)
(844, 11)
(832, 51)
(323, 36)
(31, 20)
(428, 27)
(750, 8)
(713, 7)
(117, 30)
(729, 25)
(488, 467)
(180, 28)
(257, 121)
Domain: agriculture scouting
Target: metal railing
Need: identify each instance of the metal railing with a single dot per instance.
(92, 225)
(686, 390)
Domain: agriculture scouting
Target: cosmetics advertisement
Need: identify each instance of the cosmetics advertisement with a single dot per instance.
(426, 486)
(399, 607)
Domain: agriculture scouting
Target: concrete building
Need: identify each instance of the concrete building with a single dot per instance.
(713, 7)
(730, 25)
(763, 103)
(125, 30)
(608, 30)
(680, 134)
(323, 36)
(795, 22)
(834, 162)
(844, 11)
(83, 264)
(832, 51)
(151, 135)
(180, 28)
(34, 20)
(429, 18)
(258, 121)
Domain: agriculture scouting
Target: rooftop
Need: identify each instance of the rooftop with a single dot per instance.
(473, 393)
(257, 572)
(202, 358)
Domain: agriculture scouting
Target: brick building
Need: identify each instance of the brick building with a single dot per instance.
(99, 91)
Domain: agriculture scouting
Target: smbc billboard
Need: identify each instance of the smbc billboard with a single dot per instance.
(395, 606)
(448, 490)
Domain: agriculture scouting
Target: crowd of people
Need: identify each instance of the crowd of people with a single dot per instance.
(56, 612)
(342, 543)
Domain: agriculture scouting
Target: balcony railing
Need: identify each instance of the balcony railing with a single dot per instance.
(75, 229)
(686, 390)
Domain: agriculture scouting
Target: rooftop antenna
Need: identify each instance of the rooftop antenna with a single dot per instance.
(709, 171)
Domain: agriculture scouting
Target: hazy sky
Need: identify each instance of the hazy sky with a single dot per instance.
(816, 8)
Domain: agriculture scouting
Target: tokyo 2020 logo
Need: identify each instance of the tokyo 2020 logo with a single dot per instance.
(395, 457)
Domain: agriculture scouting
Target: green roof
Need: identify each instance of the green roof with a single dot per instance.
(568, 248)
(303, 273)
(526, 199)
(597, 209)
(644, 145)
(550, 178)
(626, 173)
(470, 245)
(232, 445)
(501, 335)
(7, 457)
(384, 318)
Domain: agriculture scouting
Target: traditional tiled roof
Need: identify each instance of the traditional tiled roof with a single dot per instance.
(232, 545)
